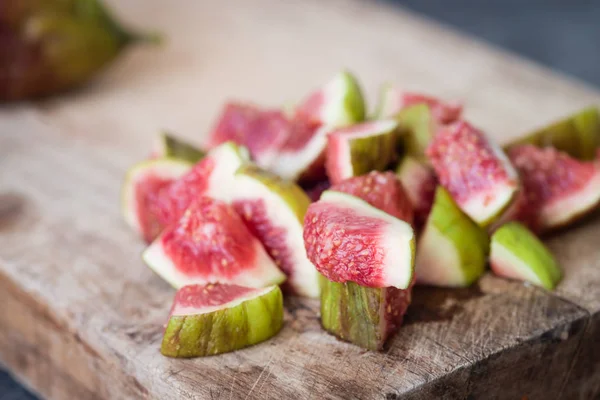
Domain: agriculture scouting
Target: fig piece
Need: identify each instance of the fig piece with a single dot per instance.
(339, 103)
(262, 131)
(516, 253)
(364, 316)
(212, 319)
(212, 176)
(577, 135)
(169, 146)
(347, 239)
(474, 170)
(382, 190)
(393, 100)
(143, 185)
(558, 189)
(361, 148)
(210, 243)
(452, 249)
(420, 183)
(273, 210)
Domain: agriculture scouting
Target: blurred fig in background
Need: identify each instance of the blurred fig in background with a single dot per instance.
(48, 46)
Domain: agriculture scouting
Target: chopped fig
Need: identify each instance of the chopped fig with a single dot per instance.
(393, 100)
(382, 190)
(364, 316)
(452, 249)
(558, 188)
(262, 132)
(167, 145)
(419, 183)
(347, 239)
(315, 190)
(474, 170)
(516, 253)
(577, 135)
(367, 316)
(213, 176)
(143, 184)
(361, 148)
(273, 210)
(338, 103)
(210, 243)
(216, 318)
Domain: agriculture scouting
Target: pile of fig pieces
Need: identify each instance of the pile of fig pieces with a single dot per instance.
(354, 209)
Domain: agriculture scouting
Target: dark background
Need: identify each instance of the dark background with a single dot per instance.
(561, 34)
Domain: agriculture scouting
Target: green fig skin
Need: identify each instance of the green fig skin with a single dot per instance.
(518, 254)
(578, 135)
(49, 46)
(172, 147)
(372, 153)
(417, 127)
(289, 191)
(251, 322)
(357, 314)
(282, 235)
(452, 250)
(354, 102)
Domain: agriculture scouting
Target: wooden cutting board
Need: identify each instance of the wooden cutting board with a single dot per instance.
(81, 316)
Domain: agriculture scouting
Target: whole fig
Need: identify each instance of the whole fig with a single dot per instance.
(49, 46)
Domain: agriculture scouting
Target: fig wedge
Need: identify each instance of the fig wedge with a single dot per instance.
(516, 253)
(212, 319)
(452, 250)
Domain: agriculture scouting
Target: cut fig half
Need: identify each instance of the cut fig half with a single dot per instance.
(359, 149)
(339, 102)
(577, 135)
(212, 319)
(558, 189)
(516, 253)
(364, 316)
(393, 100)
(169, 146)
(452, 249)
(273, 210)
(143, 184)
(419, 182)
(349, 240)
(210, 243)
(474, 170)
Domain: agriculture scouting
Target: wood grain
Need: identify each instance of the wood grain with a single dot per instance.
(82, 316)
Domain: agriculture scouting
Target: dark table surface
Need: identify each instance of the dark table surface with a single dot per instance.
(564, 35)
